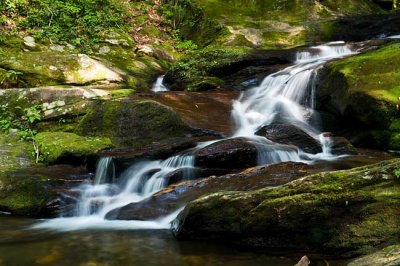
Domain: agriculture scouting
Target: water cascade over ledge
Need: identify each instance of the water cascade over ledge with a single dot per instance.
(287, 95)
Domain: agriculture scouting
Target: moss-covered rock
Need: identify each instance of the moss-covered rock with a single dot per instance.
(132, 124)
(344, 211)
(27, 196)
(41, 68)
(364, 90)
(277, 24)
(20, 195)
(61, 146)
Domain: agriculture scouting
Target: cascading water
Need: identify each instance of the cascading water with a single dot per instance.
(136, 184)
(287, 95)
(158, 86)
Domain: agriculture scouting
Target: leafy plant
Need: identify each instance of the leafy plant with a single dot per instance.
(24, 121)
(397, 173)
(187, 45)
(9, 78)
(80, 22)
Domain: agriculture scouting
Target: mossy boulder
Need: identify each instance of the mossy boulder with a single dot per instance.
(133, 123)
(209, 68)
(62, 146)
(21, 195)
(363, 90)
(26, 196)
(41, 68)
(348, 212)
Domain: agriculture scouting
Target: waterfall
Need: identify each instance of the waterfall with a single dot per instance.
(136, 184)
(287, 95)
(158, 86)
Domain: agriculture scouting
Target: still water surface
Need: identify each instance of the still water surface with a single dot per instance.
(22, 246)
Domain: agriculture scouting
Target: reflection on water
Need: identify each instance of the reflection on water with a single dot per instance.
(19, 246)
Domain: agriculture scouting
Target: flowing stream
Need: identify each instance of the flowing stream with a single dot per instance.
(287, 95)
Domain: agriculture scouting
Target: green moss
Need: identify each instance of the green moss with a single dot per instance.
(394, 143)
(55, 145)
(374, 73)
(23, 195)
(204, 84)
(364, 89)
(395, 125)
(122, 93)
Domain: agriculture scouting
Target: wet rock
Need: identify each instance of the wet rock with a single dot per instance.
(290, 135)
(236, 153)
(341, 146)
(360, 28)
(208, 110)
(341, 211)
(177, 195)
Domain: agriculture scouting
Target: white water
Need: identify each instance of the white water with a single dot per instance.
(105, 170)
(287, 94)
(158, 86)
(136, 184)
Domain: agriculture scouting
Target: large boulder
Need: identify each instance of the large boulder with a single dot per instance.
(362, 92)
(352, 211)
(133, 123)
(290, 135)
